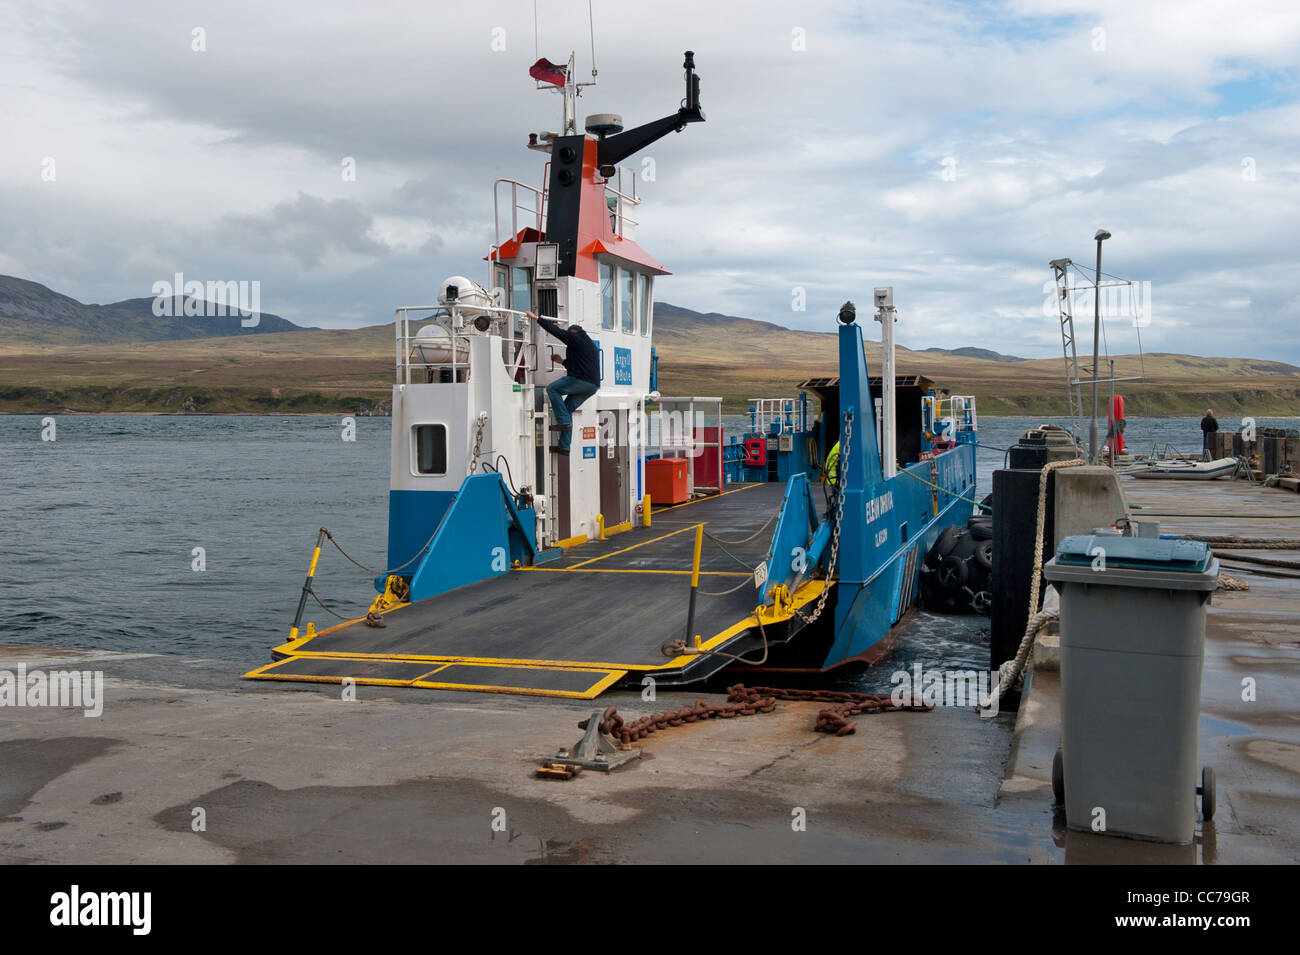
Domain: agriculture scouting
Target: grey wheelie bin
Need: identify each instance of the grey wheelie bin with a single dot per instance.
(1132, 648)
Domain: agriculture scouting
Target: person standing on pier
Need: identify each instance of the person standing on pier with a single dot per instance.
(582, 362)
(1209, 425)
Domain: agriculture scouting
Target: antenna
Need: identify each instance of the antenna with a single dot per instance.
(591, 27)
(571, 87)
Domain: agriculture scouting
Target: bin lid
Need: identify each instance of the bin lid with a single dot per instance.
(1137, 553)
(1146, 562)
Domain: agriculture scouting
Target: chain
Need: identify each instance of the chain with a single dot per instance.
(478, 445)
(748, 700)
(384, 573)
(834, 718)
(611, 724)
(835, 534)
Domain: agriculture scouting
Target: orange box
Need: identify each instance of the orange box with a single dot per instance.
(665, 481)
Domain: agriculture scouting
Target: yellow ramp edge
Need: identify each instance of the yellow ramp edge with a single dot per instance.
(478, 676)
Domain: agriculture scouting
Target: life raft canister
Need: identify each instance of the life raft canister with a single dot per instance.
(1115, 425)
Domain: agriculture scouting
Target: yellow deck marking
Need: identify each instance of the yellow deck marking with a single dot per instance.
(592, 560)
(808, 592)
(610, 678)
(711, 497)
(634, 570)
(261, 673)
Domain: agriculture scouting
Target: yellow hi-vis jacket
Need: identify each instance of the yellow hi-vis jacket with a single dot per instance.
(831, 473)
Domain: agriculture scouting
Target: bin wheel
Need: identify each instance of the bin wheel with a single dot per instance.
(1058, 777)
(1206, 792)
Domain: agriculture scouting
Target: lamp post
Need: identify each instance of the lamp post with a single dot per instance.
(1101, 236)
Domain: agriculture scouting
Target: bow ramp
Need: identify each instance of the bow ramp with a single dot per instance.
(575, 626)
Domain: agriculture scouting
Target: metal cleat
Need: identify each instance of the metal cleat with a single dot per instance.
(598, 749)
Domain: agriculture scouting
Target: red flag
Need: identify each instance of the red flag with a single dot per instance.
(544, 71)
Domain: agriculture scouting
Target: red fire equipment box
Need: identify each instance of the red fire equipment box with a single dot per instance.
(665, 481)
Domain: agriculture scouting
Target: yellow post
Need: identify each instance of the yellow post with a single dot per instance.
(306, 587)
(695, 561)
(645, 510)
(600, 524)
(692, 638)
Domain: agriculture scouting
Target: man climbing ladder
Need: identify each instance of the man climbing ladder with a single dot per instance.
(582, 362)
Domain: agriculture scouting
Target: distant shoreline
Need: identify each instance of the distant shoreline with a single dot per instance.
(336, 414)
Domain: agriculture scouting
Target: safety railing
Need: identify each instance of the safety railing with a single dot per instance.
(534, 213)
(411, 348)
(785, 412)
(623, 224)
(961, 408)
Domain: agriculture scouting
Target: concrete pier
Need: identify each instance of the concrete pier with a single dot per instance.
(296, 773)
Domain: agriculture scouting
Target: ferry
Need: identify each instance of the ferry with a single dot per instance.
(661, 549)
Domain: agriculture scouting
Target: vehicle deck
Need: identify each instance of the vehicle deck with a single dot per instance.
(574, 626)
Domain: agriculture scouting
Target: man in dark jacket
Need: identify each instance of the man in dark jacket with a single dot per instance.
(582, 362)
(1209, 425)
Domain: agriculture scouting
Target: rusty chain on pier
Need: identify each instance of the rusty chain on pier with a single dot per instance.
(613, 725)
(834, 718)
(746, 701)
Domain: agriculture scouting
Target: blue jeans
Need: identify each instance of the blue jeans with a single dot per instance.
(567, 395)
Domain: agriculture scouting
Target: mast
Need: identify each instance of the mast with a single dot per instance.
(887, 315)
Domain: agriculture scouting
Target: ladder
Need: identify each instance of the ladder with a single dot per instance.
(542, 428)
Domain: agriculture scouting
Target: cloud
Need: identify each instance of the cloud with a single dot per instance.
(307, 229)
(822, 168)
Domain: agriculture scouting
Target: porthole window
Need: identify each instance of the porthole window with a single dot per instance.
(430, 448)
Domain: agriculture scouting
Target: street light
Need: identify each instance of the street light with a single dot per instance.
(1101, 236)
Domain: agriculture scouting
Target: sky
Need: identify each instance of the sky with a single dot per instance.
(947, 149)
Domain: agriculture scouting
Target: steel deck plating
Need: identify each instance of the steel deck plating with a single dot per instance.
(572, 627)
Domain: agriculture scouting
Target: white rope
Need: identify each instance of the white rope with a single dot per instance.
(1010, 671)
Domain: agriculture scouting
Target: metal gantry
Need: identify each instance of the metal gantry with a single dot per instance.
(1065, 307)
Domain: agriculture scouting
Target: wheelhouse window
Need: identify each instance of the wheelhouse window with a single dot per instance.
(607, 296)
(626, 281)
(521, 294)
(430, 448)
(646, 282)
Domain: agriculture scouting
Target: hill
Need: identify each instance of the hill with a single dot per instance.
(31, 313)
(325, 370)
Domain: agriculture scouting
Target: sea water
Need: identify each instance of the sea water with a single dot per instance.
(191, 535)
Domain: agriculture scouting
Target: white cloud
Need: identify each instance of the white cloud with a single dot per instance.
(819, 169)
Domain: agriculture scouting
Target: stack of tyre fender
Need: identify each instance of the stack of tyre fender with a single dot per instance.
(955, 577)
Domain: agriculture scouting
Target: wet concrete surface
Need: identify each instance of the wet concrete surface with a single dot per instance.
(295, 773)
(1252, 649)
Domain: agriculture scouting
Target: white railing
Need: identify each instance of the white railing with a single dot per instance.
(784, 411)
(408, 345)
(961, 408)
(526, 206)
(624, 225)
(534, 213)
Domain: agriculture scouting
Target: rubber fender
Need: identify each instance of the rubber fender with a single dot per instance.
(986, 505)
(965, 546)
(981, 530)
(947, 539)
(952, 573)
(984, 554)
